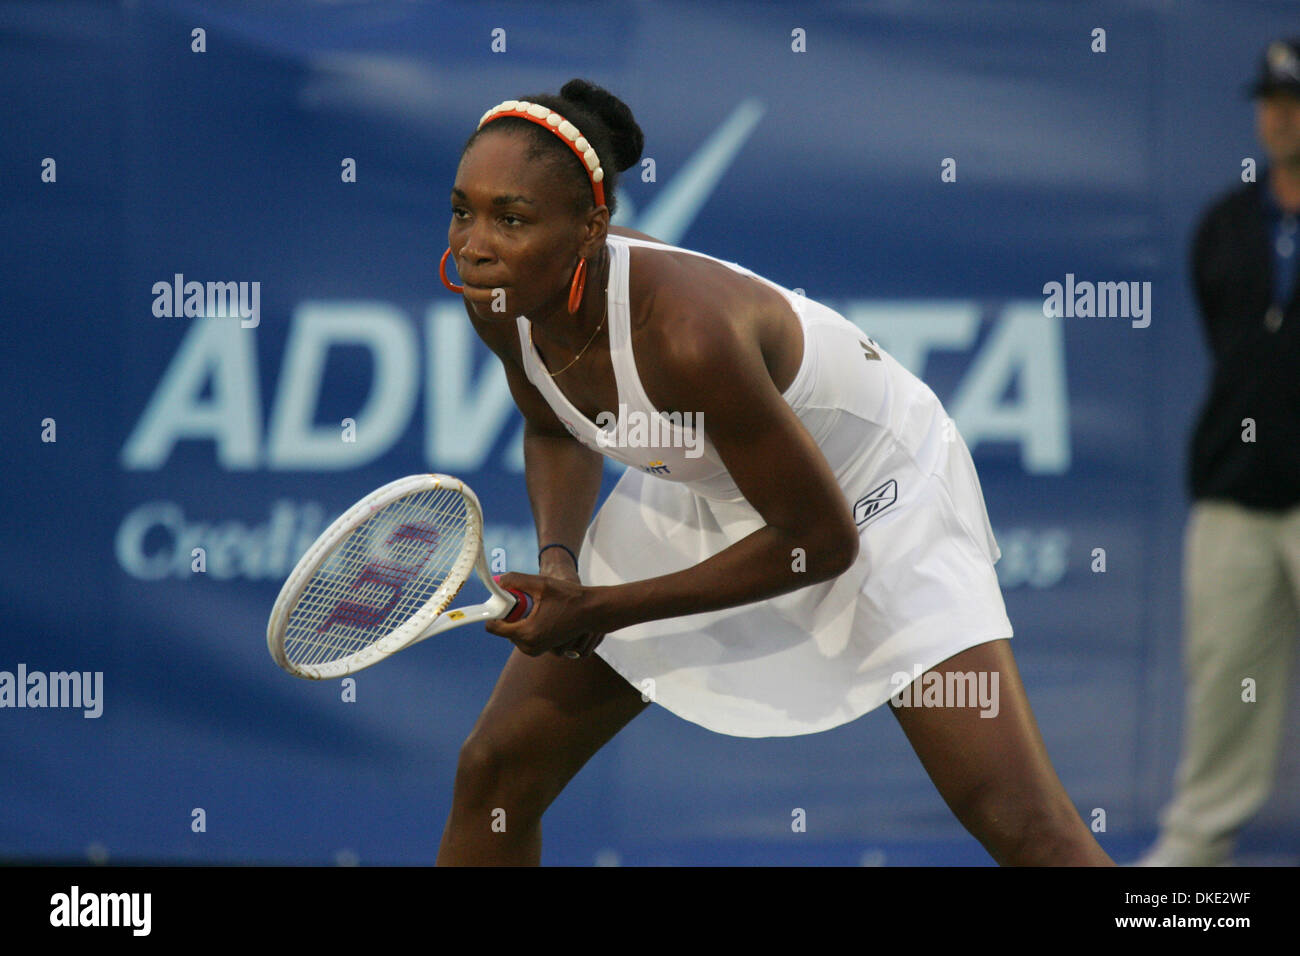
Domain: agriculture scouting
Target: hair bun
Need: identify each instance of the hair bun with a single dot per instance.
(627, 138)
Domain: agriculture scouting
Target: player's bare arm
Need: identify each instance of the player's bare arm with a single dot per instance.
(809, 534)
(561, 474)
(716, 368)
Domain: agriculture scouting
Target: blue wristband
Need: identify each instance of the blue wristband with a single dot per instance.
(571, 554)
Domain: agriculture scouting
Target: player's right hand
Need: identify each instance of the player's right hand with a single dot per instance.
(581, 646)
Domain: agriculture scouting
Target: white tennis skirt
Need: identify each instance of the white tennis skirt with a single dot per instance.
(923, 588)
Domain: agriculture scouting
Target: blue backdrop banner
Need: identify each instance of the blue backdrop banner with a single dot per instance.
(224, 325)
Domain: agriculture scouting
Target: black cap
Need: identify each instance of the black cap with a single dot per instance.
(1279, 68)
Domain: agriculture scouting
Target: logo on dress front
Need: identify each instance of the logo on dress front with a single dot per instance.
(656, 468)
(874, 502)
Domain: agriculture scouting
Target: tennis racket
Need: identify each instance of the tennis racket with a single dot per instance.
(379, 579)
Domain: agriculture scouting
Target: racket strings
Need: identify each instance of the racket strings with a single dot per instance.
(381, 574)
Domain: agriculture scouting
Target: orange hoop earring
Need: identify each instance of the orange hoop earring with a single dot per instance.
(442, 274)
(576, 286)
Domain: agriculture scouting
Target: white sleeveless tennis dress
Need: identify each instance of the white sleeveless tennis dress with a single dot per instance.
(922, 589)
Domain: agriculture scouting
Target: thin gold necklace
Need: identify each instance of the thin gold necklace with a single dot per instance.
(604, 312)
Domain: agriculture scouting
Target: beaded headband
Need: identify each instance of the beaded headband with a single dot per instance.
(557, 124)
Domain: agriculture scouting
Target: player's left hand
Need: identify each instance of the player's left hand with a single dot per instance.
(560, 621)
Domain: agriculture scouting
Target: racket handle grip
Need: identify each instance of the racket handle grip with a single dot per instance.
(523, 603)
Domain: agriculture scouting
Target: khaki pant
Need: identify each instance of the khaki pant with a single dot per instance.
(1241, 580)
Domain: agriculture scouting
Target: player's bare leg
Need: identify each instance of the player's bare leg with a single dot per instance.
(994, 772)
(545, 719)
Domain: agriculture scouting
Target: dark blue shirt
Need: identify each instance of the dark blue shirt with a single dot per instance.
(1245, 271)
(1283, 241)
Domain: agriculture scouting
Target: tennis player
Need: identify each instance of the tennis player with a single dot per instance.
(798, 535)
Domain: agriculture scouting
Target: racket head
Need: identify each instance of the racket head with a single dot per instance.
(378, 577)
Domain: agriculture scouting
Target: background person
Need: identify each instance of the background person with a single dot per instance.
(1242, 547)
